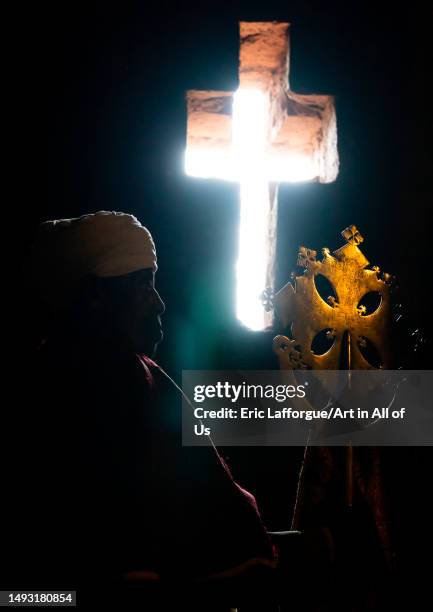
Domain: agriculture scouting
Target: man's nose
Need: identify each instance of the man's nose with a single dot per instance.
(159, 304)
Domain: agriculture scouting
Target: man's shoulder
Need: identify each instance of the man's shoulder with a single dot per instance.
(84, 368)
(158, 377)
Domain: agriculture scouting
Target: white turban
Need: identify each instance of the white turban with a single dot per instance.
(104, 244)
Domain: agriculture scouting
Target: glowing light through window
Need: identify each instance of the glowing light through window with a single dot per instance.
(249, 147)
(252, 162)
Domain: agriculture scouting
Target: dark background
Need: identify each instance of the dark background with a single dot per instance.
(103, 120)
(105, 117)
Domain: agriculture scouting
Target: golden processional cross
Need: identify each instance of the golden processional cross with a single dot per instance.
(259, 136)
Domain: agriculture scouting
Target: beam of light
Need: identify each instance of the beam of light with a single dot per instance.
(249, 147)
(280, 166)
(291, 167)
(201, 162)
(253, 255)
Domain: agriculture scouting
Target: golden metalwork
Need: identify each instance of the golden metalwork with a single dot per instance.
(341, 316)
(345, 318)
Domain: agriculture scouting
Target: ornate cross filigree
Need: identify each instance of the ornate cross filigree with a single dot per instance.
(342, 316)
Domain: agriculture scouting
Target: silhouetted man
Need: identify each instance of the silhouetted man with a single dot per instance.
(114, 493)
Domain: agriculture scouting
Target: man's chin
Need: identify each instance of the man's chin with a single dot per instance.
(155, 346)
(150, 347)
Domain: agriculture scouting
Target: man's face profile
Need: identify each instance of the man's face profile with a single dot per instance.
(138, 308)
(145, 328)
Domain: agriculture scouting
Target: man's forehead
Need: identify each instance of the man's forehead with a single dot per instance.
(143, 275)
(131, 281)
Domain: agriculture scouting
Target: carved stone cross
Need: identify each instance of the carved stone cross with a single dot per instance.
(259, 136)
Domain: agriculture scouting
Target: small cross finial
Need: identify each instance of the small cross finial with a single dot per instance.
(351, 234)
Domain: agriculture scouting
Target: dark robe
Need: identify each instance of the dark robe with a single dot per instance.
(112, 488)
